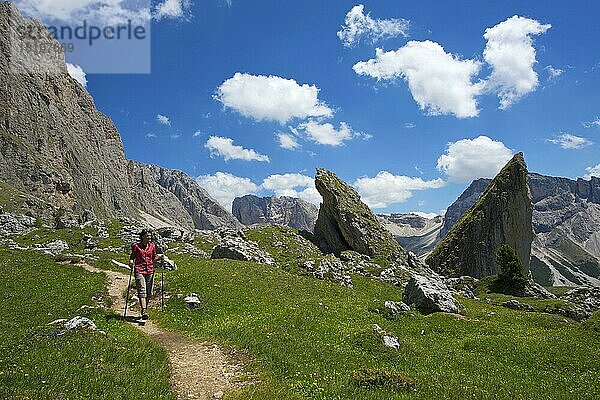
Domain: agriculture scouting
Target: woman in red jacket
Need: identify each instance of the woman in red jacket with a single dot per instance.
(142, 258)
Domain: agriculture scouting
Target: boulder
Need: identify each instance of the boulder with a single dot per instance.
(462, 286)
(192, 300)
(586, 297)
(396, 307)
(168, 264)
(329, 268)
(502, 215)
(88, 216)
(429, 295)
(235, 247)
(78, 321)
(578, 314)
(11, 224)
(89, 241)
(387, 339)
(56, 246)
(533, 289)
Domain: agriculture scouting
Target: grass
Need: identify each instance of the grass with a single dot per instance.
(288, 248)
(36, 363)
(313, 339)
(72, 236)
(11, 199)
(304, 338)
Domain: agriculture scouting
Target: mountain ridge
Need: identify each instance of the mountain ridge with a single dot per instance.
(56, 146)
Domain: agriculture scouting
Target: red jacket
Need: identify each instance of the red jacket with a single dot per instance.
(143, 258)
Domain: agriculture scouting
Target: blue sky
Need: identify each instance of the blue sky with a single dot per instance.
(406, 100)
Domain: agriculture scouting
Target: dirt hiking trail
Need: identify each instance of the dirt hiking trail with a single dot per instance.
(198, 370)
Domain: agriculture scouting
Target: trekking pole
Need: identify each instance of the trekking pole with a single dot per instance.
(127, 294)
(162, 286)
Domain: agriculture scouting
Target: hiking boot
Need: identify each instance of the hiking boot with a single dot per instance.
(144, 313)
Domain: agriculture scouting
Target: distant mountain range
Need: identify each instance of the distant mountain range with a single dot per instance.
(566, 220)
(59, 150)
(283, 210)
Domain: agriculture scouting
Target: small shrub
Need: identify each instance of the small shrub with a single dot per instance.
(511, 279)
(381, 378)
(593, 322)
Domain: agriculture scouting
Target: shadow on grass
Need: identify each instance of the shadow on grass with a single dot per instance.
(120, 317)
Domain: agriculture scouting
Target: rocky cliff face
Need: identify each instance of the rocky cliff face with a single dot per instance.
(501, 215)
(56, 146)
(414, 232)
(346, 223)
(462, 204)
(172, 196)
(54, 143)
(289, 211)
(566, 220)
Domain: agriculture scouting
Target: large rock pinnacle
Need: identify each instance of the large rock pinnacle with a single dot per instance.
(501, 215)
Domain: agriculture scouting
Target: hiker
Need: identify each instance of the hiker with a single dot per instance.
(142, 259)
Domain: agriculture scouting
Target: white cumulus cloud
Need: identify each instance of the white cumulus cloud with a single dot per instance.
(594, 123)
(93, 11)
(440, 82)
(568, 141)
(326, 134)
(293, 185)
(469, 159)
(386, 188)
(510, 53)
(224, 187)
(357, 25)
(224, 147)
(163, 120)
(77, 73)
(553, 73)
(171, 9)
(592, 171)
(271, 98)
(427, 215)
(287, 141)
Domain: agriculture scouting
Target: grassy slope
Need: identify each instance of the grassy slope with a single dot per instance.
(309, 337)
(37, 364)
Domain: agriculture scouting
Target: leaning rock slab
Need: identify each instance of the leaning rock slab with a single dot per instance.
(429, 295)
(346, 223)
